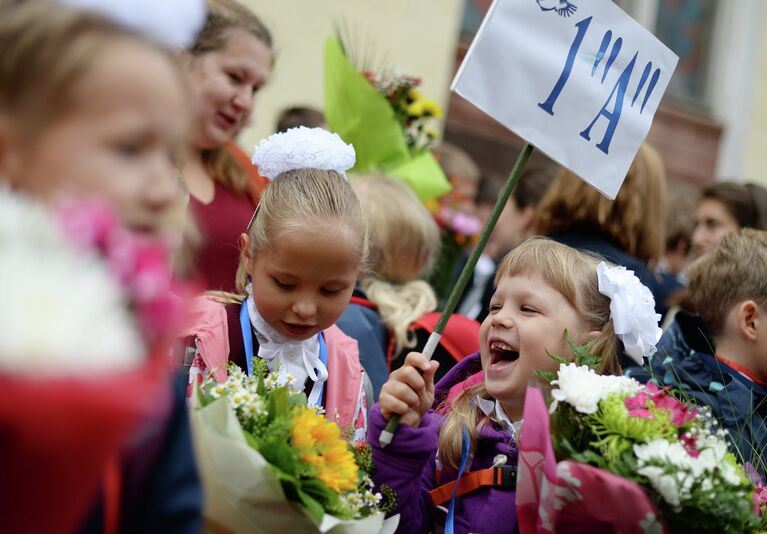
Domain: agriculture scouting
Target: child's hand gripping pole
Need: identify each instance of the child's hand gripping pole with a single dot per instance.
(455, 294)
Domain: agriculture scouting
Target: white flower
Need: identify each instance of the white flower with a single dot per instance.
(650, 524)
(632, 310)
(174, 23)
(674, 472)
(582, 388)
(303, 148)
(62, 312)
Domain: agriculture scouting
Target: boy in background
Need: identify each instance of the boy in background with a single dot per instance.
(718, 357)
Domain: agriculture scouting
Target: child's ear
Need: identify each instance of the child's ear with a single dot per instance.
(748, 316)
(591, 336)
(247, 257)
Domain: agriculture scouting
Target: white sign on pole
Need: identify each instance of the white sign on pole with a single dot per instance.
(580, 80)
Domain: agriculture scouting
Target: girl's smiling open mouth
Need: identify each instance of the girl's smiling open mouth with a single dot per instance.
(502, 354)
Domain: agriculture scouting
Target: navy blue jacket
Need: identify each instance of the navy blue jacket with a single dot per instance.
(160, 491)
(685, 360)
(365, 325)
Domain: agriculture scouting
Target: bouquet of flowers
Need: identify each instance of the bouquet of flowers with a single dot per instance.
(385, 117)
(632, 458)
(268, 462)
(416, 113)
(86, 309)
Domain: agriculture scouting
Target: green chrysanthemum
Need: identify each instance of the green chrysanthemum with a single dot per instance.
(618, 431)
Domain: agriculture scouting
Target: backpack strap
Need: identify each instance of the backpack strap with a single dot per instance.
(369, 304)
(502, 477)
(362, 301)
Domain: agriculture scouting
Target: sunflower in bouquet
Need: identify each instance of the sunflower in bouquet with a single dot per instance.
(299, 469)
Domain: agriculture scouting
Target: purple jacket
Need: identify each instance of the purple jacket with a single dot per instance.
(407, 465)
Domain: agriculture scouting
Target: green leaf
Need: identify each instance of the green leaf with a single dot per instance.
(251, 440)
(276, 453)
(319, 491)
(297, 400)
(279, 402)
(205, 398)
(546, 376)
(315, 509)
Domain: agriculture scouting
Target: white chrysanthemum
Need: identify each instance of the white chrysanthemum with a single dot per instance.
(632, 310)
(673, 471)
(303, 148)
(61, 313)
(174, 23)
(582, 388)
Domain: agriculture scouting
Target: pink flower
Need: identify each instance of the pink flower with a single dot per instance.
(140, 265)
(642, 413)
(637, 401)
(460, 222)
(88, 224)
(637, 406)
(681, 413)
(466, 224)
(690, 445)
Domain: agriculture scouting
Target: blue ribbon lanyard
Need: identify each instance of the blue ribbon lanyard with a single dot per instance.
(465, 443)
(324, 360)
(247, 336)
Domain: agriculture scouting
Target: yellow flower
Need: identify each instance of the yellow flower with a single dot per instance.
(415, 94)
(416, 109)
(431, 108)
(318, 443)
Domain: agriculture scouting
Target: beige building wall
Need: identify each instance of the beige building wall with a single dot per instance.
(756, 154)
(418, 37)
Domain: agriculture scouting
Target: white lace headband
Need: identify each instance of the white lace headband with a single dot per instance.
(303, 148)
(632, 310)
(174, 23)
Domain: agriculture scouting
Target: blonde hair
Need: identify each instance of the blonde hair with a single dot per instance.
(223, 17)
(305, 199)
(47, 48)
(571, 273)
(735, 271)
(635, 220)
(456, 162)
(404, 244)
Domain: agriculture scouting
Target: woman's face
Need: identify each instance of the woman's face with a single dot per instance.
(223, 84)
(713, 223)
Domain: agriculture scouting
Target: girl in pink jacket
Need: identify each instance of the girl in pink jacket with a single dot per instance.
(300, 260)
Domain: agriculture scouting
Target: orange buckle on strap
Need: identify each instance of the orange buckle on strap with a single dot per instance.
(503, 477)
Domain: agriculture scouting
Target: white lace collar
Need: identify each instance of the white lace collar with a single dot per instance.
(299, 359)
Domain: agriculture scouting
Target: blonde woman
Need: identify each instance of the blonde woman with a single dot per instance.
(391, 304)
